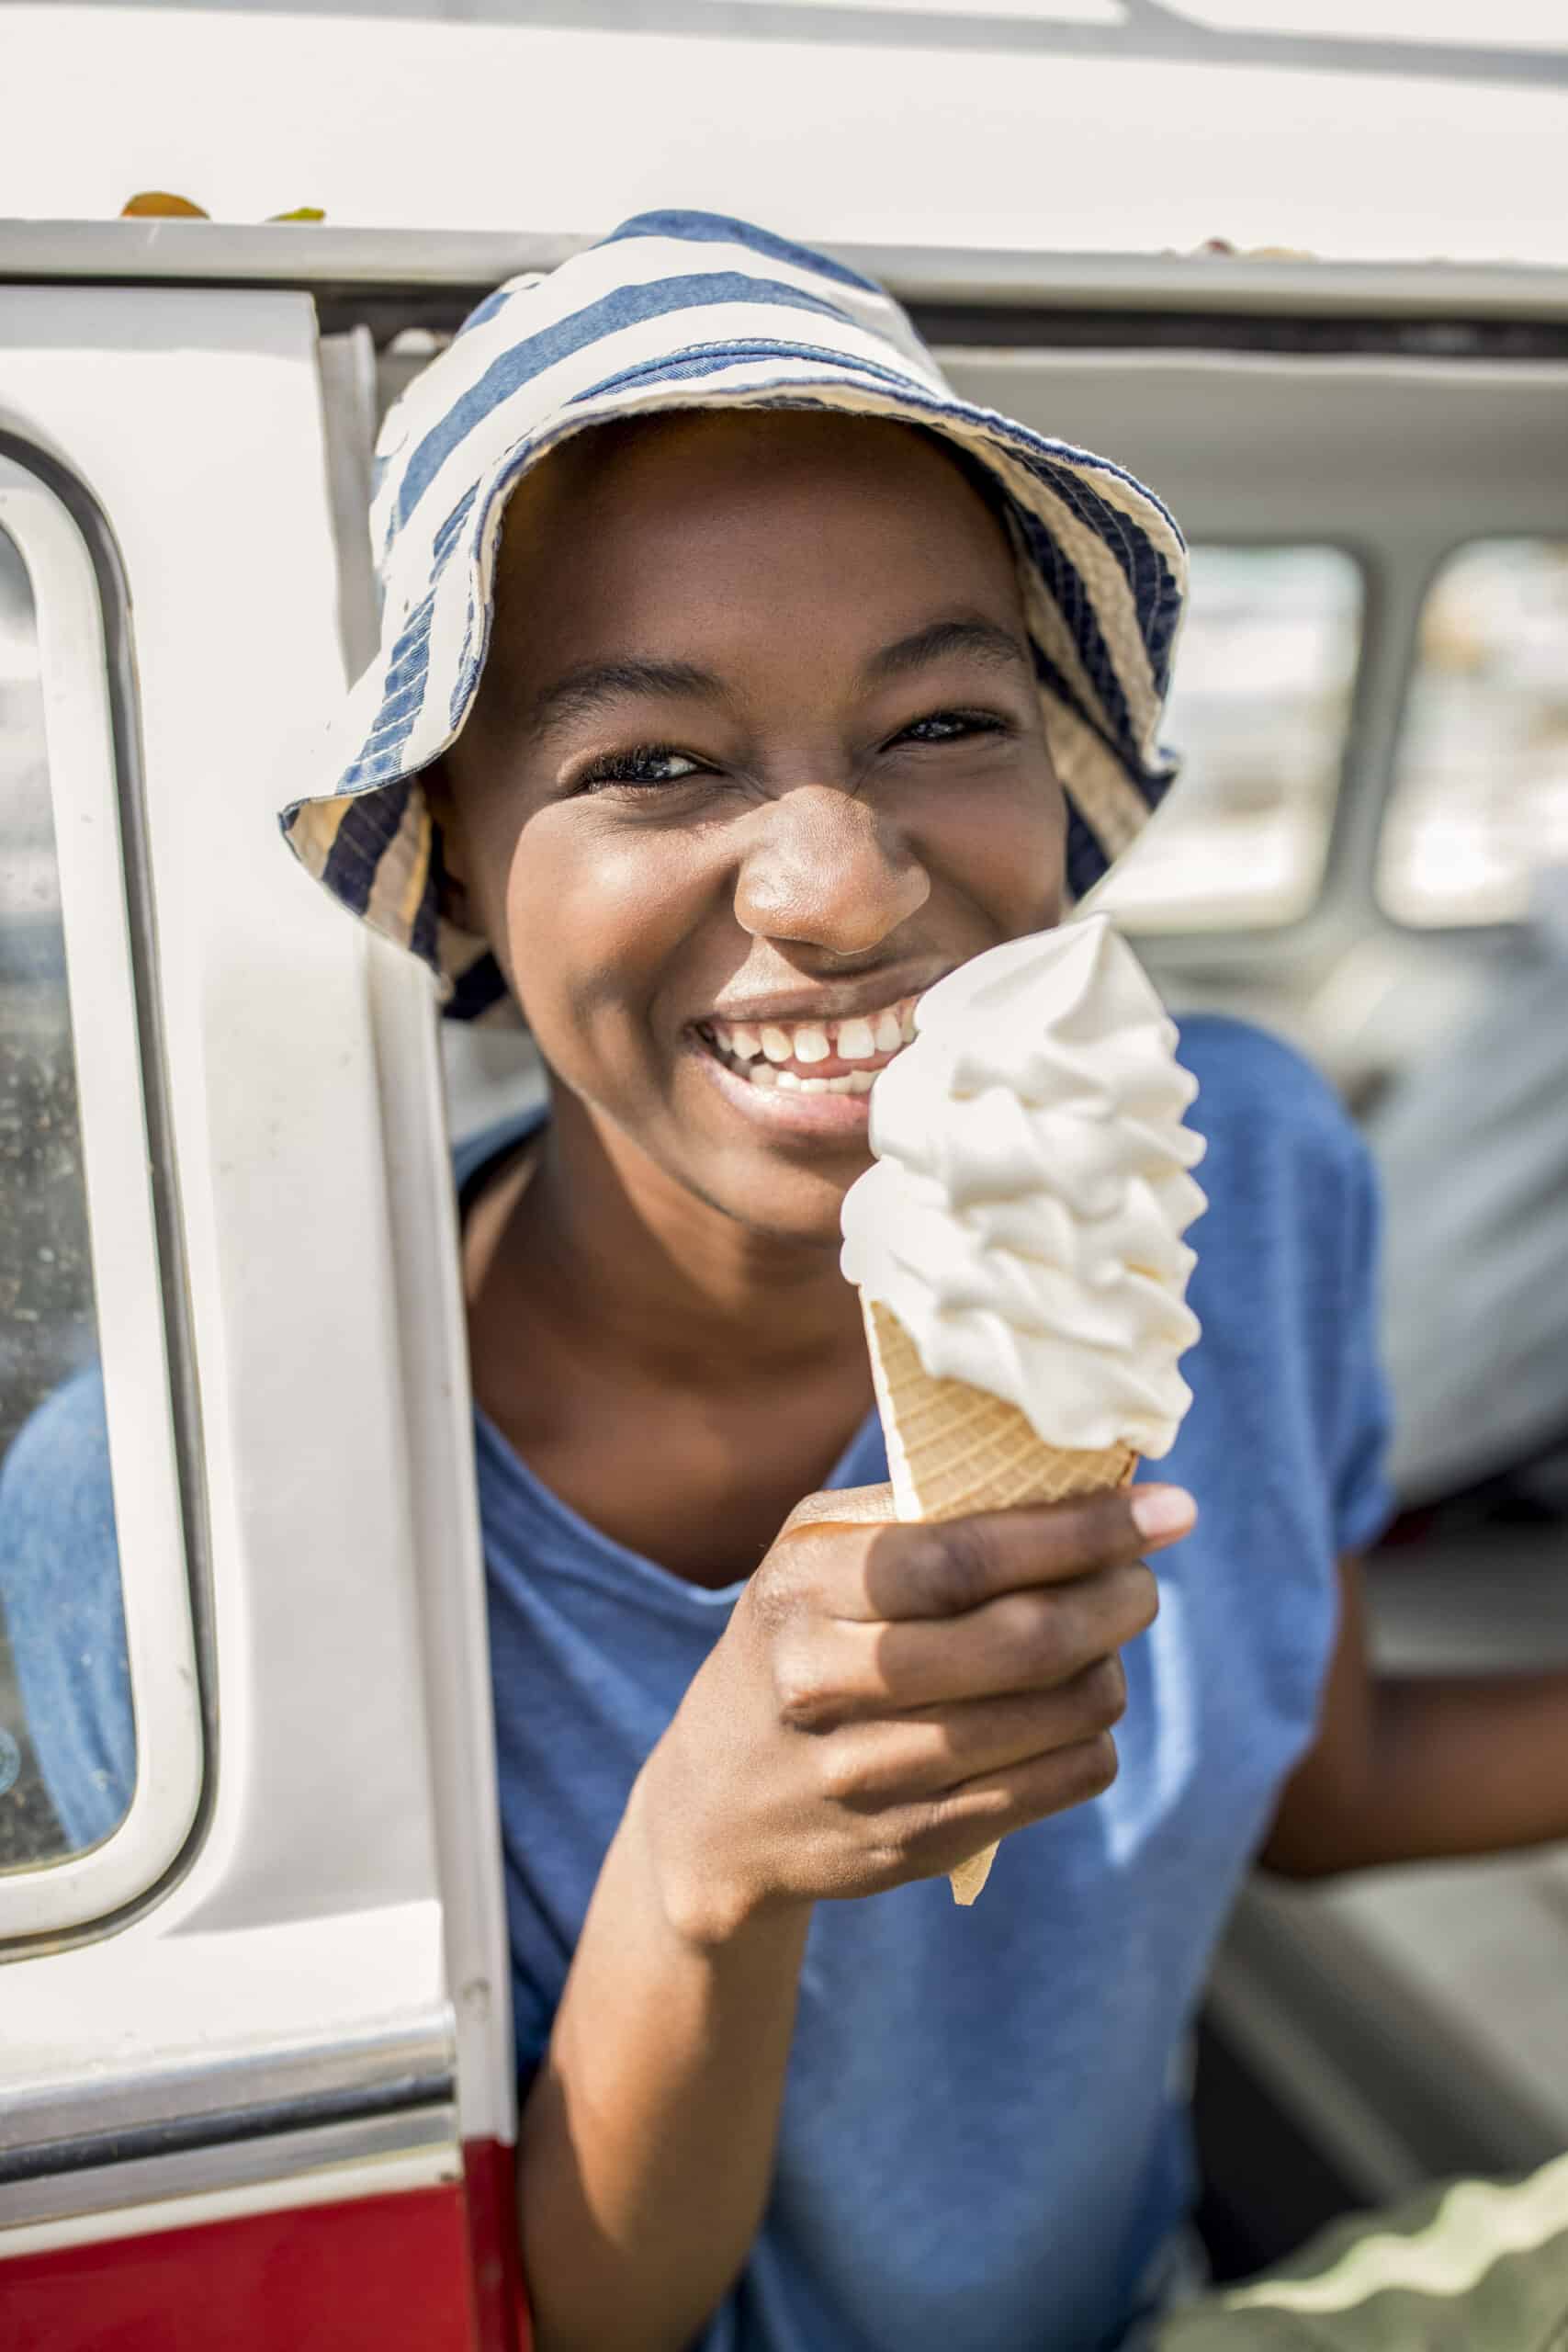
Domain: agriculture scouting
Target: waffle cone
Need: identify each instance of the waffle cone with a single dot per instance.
(952, 1450)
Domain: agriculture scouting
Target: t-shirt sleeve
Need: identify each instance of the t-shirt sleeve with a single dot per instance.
(60, 1594)
(1362, 1498)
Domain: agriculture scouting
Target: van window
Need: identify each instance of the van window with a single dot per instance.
(1258, 713)
(1479, 803)
(76, 1664)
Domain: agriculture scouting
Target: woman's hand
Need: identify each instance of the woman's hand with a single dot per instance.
(889, 1699)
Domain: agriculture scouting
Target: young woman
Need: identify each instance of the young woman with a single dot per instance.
(736, 684)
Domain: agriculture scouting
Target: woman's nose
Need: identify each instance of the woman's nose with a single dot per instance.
(821, 869)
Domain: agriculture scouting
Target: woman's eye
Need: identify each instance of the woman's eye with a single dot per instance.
(951, 726)
(648, 764)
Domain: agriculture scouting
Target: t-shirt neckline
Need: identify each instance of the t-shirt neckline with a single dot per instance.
(620, 1558)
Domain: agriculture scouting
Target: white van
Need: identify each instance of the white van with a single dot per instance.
(257, 2056)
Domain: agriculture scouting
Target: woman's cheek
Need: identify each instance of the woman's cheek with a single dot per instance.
(590, 936)
(1002, 844)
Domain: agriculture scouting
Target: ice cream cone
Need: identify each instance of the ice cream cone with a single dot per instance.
(953, 1449)
(1017, 1240)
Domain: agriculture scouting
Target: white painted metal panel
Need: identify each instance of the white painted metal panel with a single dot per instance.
(311, 1923)
(475, 125)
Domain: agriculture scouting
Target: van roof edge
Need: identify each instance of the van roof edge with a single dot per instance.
(313, 257)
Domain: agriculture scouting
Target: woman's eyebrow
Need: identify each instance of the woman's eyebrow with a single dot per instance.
(591, 686)
(984, 640)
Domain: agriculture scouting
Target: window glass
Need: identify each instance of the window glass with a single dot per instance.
(1258, 712)
(1479, 795)
(62, 1662)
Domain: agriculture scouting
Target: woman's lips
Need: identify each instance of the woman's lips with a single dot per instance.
(824, 1111)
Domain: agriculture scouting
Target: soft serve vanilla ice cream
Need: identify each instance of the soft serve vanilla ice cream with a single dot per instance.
(1024, 1213)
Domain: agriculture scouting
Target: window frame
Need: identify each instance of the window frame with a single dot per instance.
(1481, 928)
(1249, 925)
(88, 674)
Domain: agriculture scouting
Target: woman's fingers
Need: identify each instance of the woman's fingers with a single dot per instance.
(1024, 1642)
(888, 1572)
(873, 1765)
(844, 1505)
(887, 1698)
(988, 1807)
(841, 1671)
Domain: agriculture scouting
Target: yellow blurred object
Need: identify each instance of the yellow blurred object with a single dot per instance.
(156, 203)
(1250, 252)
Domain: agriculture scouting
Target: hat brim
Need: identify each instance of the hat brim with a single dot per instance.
(1102, 568)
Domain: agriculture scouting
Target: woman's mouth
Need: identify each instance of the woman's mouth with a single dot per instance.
(812, 1057)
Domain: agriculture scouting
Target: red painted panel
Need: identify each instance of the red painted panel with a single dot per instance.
(377, 2274)
(489, 2171)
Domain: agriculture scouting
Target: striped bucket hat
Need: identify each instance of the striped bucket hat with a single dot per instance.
(682, 310)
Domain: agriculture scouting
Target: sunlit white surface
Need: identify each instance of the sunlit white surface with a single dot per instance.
(1480, 798)
(1258, 712)
(315, 1908)
(1507, 24)
(420, 124)
(1051, 12)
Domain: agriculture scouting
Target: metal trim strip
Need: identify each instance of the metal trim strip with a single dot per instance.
(220, 2127)
(345, 263)
(208, 2101)
(275, 2160)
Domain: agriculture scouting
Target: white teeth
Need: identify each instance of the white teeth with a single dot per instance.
(763, 1074)
(761, 1050)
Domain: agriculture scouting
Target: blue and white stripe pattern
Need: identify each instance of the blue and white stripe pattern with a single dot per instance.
(684, 310)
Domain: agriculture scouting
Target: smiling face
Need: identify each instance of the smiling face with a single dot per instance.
(757, 758)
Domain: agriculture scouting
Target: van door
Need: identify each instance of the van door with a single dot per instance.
(256, 2069)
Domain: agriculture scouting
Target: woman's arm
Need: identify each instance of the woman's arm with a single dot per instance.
(885, 1701)
(646, 2147)
(1415, 1769)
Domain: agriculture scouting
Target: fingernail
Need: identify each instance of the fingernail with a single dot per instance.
(1163, 1511)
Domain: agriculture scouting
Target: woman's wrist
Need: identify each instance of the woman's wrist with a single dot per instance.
(708, 1901)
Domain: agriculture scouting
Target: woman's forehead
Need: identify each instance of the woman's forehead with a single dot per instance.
(742, 506)
(676, 462)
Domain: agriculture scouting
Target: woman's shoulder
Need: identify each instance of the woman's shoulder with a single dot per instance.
(1237, 1061)
(1291, 1225)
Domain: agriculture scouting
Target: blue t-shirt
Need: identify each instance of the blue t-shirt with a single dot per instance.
(983, 2144)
